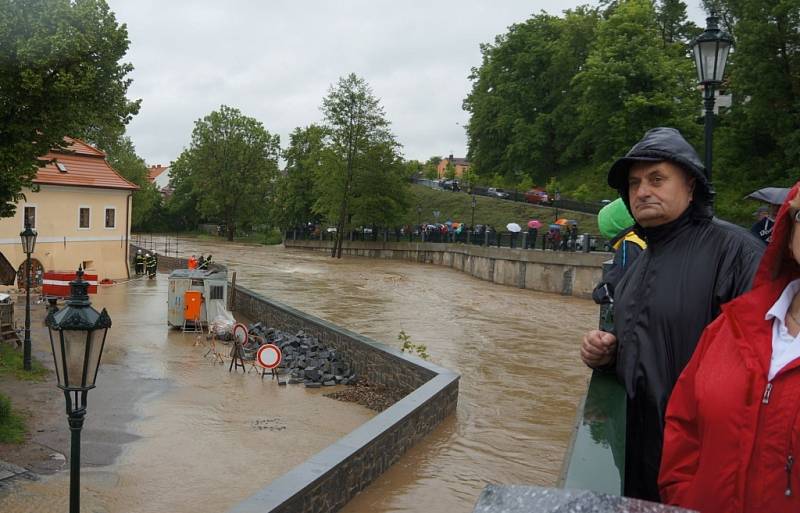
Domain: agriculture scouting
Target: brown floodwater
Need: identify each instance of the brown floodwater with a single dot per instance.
(166, 429)
(516, 351)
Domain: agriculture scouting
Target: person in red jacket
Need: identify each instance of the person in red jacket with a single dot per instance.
(732, 435)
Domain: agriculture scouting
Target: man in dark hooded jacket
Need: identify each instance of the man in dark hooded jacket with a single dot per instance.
(692, 265)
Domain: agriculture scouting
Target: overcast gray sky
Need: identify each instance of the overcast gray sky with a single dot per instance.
(274, 60)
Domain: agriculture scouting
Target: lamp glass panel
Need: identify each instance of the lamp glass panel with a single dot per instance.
(708, 51)
(722, 57)
(97, 339)
(75, 353)
(698, 61)
(28, 242)
(58, 356)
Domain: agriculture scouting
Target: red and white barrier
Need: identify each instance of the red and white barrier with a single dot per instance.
(56, 283)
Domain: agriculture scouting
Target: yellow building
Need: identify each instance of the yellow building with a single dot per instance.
(81, 209)
(460, 166)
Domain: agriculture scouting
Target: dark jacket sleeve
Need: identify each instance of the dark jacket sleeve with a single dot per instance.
(738, 269)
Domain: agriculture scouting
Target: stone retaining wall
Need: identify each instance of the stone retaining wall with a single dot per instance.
(561, 272)
(325, 482)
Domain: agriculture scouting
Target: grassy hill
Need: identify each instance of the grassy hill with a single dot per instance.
(457, 207)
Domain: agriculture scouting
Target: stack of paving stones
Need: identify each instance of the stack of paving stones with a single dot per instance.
(304, 359)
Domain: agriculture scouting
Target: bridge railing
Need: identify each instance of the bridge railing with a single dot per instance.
(506, 239)
(595, 457)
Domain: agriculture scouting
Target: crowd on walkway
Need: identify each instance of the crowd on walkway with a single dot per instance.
(561, 235)
(704, 335)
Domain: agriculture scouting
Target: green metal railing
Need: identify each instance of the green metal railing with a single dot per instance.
(595, 458)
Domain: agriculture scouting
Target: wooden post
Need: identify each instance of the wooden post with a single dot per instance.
(232, 292)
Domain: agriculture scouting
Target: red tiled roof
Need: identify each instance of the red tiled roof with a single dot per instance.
(154, 171)
(85, 166)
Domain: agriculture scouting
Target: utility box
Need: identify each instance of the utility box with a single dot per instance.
(212, 285)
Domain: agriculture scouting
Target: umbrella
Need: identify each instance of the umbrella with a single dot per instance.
(555, 227)
(534, 223)
(514, 227)
(561, 221)
(773, 195)
(572, 221)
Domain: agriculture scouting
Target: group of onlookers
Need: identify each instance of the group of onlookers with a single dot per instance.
(705, 338)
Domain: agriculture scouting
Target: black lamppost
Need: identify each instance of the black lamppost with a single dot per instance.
(474, 204)
(28, 238)
(77, 335)
(710, 51)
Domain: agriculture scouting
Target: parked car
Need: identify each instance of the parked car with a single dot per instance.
(537, 196)
(451, 185)
(498, 193)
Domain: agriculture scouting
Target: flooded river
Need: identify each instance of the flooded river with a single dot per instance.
(516, 351)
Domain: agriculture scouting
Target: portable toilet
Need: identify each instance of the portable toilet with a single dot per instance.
(210, 287)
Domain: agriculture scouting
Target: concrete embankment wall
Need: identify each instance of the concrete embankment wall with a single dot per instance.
(329, 479)
(561, 272)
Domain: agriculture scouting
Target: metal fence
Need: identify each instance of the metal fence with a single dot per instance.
(489, 238)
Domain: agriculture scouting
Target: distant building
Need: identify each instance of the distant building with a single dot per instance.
(160, 176)
(460, 164)
(81, 209)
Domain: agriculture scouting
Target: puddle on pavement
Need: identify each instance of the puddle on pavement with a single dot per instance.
(181, 434)
(516, 350)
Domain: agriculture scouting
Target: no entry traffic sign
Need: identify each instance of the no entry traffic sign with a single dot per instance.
(268, 356)
(240, 333)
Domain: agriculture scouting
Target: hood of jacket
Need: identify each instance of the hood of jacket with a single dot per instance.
(659, 144)
(777, 264)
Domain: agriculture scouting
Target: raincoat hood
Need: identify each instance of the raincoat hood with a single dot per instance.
(657, 145)
(778, 263)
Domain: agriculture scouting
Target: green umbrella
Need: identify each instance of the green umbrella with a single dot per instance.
(613, 218)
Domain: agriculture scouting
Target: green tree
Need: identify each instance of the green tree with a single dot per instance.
(230, 167)
(449, 171)
(60, 74)
(522, 103)
(673, 23)
(146, 201)
(358, 146)
(432, 168)
(630, 83)
(294, 199)
(757, 141)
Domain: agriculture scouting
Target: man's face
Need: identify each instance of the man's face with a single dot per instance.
(659, 192)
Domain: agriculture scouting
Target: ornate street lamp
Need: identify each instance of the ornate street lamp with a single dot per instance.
(77, 335)
(710, 51)
(28, 238)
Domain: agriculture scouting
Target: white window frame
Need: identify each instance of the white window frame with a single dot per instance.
(105, 213)
(35, 214)
(81, 207)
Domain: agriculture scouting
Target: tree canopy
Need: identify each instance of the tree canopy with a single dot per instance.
(229, 168)
(60, 74)
(361, 179)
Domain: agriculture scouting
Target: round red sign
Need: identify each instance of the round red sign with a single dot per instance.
(268, 356)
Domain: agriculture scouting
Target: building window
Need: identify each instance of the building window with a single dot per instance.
(111, 217)
(83, 218)
(30, 217)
